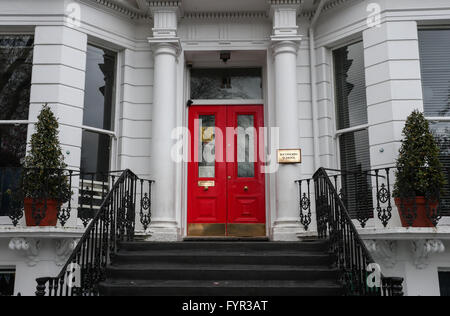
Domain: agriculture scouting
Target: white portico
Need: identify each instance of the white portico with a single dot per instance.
(334, 78)
(176, 44)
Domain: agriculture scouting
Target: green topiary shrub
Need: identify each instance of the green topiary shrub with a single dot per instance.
(419, 170)
(44, 168)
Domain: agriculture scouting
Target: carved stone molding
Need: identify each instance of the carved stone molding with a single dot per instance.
(64, 247)
(123, 8)
(383, 250)
(284, 2)
(423, 249)
(225, 15)
(159, 3)
(30, 246)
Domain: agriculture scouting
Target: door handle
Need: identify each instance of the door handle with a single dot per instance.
(246, 188)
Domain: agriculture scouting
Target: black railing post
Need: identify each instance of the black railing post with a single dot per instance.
(41, 286)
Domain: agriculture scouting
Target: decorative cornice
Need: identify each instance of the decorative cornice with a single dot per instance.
(284, 2)
(161, 4)
(226, 15)
(121, 9)
(330, 5)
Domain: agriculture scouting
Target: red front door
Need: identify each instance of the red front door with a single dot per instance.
(226, 187)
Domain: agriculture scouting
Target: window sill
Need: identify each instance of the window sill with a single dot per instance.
(401, 233)
(40, 232)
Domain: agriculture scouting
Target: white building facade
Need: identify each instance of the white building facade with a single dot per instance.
(335, 78)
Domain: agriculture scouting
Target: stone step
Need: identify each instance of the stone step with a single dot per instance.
(222, 272)
(198, 256)
(239, 288)
(321, 246)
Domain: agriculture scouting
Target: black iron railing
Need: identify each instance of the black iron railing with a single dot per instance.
(369, 195)
(113, 222)
(87, 190)
(352, 256)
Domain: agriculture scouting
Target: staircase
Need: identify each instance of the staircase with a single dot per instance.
(206, 268)
(334, 264)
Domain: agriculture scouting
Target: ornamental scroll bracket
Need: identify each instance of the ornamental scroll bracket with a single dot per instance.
(423, 249)
(30, 246)
(384, 250)
(64, 247)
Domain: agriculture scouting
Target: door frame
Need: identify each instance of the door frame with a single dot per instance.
(266, 63)
(225, 104)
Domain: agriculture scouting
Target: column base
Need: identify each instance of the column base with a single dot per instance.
(286, 230)
(165, 231)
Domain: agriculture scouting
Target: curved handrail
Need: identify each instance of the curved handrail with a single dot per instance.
(345, 213)
(349, 259)
(114, 221)
(92, 223)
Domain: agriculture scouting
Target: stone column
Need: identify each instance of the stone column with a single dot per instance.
(166, 48)
(285, 46)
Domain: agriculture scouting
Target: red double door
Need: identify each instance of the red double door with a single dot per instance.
(226, 186)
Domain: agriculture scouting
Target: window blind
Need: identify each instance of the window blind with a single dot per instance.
(357, 186)
(350, 84)
(442, 134)
(351, 108)
(434, 48)
(435, 65)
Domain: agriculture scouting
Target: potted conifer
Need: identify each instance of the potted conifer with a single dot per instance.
(419, 176)
(45, 185)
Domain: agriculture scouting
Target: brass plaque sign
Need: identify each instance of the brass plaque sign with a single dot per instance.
(207, 134)
(206, 184)
(289, 156)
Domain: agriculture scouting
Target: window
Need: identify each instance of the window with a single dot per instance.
(98, 120)
(444, 283)
(225, 84)
(352, 119)
(16, 62)
(7, 279)
(434, 47)
(98, 129)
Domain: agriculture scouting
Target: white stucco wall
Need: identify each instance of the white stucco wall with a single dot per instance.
(392, 79)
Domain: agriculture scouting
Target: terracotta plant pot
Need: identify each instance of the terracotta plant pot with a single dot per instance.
(406, 206)
(51, 213)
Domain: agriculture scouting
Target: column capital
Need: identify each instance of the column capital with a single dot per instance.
(165, 17)
(284, 16)
(285, 45)
(165, 45)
